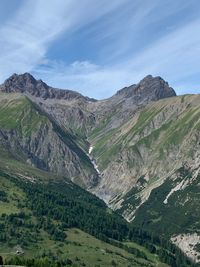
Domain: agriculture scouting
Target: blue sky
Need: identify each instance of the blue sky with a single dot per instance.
(98, 46)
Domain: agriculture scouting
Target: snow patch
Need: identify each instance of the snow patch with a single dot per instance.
(93, 160)
(95, 166)
(178, 187)
(90, 149)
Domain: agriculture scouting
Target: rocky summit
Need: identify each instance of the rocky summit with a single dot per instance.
(26, 83)
(137, 150)
(151, 88)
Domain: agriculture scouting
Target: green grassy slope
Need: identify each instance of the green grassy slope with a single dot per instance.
(17, 113)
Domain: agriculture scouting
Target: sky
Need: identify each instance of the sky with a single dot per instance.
(97, 47)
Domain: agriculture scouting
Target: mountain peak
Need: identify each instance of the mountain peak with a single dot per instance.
(27, 84)
(21, 78)
(20, 83)
(154, 88)
(151, 88)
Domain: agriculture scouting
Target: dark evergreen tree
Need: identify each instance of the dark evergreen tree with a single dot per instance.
(1, 260)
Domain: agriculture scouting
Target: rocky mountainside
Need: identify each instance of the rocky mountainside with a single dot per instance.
(29, 135)
(137, 150)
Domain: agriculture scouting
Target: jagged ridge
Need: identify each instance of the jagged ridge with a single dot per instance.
(26, 83)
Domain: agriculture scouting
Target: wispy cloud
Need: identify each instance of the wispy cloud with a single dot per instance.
(37, 23)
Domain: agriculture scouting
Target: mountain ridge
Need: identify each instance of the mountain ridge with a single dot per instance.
(26, 83)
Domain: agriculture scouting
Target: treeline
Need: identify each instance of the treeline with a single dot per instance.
(71, 206)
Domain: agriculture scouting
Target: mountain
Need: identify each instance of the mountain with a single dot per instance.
(137, 150)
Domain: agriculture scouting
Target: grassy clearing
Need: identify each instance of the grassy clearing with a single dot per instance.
(85, 250)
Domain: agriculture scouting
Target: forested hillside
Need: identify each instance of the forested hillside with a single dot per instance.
(36, 214)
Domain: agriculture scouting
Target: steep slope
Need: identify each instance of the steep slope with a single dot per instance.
(153, 142)
(29, 135)
(173, 210)
(158, 140)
